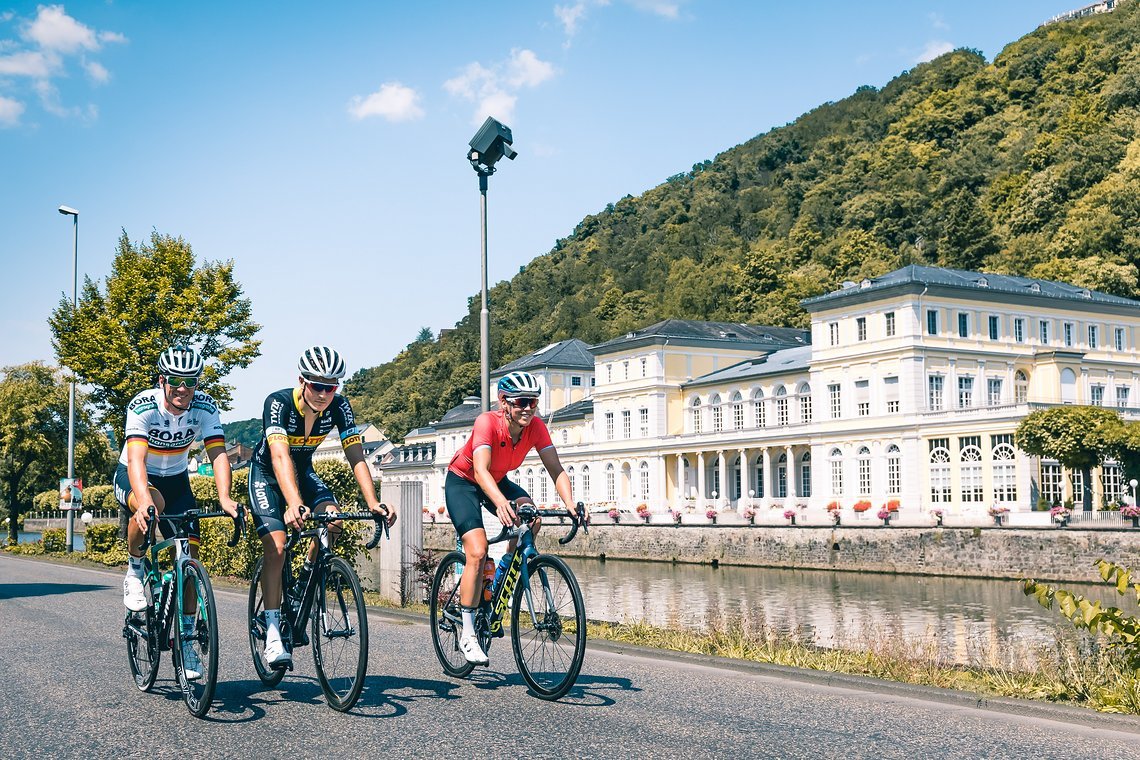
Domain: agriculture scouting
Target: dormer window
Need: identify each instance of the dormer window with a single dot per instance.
(982, 282)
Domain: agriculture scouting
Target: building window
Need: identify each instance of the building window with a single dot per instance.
(1020, 387)
(889, 318)
(965, 391)
(759, 478)
(1096, 395)
(836, 401)
(993, 391)
(1094, 336)
(1005, 470)
(934, 385)
(1068, 330)
(963, 325)
(805, 403)
(781, 406)
(994, 327)
(893, 406)
(576, 381)
(1019, 330)
(717, 414)
(737, 411)
(644, 368)
(530, 481)
(643, 413)
(833, 332)
(970, 455)
(861, 328)
(609, 373)
(864, 459)
(543, 479)
(1118, 338)
(644, 478)
(610, 425)
(758, 415)
(940, 470)
(894, 470)
(585, 483)
(836, 462)
(1052, 489)
(695, 411)
(782, 477)
(611, 483)
(626, 431)
(1122, 396)
(864, 409)
(574, 484)
(1113, 486)
(931, 322)
(863, 398)
(891, 394)
(804, 489)
(625, 370)
(1043, 332)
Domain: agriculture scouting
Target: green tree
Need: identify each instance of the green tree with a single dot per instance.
(33, 437)
(1079, 437)
(1094, 272)
(156, 296)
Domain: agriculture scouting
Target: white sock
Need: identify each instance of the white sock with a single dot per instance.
(468, 621)
(135, 566)
(272, 625)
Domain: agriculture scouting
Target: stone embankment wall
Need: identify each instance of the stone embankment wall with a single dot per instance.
(1045, 554)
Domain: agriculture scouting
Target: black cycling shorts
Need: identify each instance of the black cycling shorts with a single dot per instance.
(464, 499)
(268, 504)
(176, 495)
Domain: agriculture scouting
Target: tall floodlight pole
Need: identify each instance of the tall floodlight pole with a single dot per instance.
(68, 211)
(490, 143)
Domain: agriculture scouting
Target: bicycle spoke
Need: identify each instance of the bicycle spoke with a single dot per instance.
(196, 649)
(445, 620)
(340, 635)
(548, 628)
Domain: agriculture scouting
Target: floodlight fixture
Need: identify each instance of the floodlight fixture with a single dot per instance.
(491, 143)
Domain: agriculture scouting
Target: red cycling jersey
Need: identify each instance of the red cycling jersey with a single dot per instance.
(491, 430)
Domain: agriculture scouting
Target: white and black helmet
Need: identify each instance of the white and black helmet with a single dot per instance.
(321, 361)
(517, 384)
(180, 361)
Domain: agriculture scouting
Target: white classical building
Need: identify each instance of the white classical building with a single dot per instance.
(907, 387)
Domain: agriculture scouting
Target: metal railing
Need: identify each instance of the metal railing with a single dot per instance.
(1101, 518)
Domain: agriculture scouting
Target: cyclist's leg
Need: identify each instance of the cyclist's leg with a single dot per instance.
(315, 492)
(518, 495)
(463, 499)
(178, 498)
(127, 501)
(268, 507)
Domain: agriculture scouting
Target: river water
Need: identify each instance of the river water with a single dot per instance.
(963, 620)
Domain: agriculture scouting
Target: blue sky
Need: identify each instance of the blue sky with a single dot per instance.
(322, 146)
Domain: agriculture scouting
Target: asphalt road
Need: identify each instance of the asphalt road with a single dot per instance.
(65, 691)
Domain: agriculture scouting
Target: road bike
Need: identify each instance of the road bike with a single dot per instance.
(329, 598)
(158, 628)
(548, 617)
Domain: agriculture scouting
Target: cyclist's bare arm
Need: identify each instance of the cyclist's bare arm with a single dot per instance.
(223, 478)
(553, 465)
(354, 452)
(141, 497)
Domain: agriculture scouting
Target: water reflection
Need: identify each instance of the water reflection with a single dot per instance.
(964, 620)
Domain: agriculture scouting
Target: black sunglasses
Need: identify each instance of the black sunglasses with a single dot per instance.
(523, 403)
(323, 387)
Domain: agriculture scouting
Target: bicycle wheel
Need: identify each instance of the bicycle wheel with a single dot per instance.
(200, 643)
(140, 631)
(548, 627)
(269, 676)
(445, 621)
(340, 635)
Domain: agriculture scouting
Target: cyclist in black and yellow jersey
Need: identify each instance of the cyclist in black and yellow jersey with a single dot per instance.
(281, 475)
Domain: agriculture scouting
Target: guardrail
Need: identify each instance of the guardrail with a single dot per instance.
(61, 514)
(1101, 518)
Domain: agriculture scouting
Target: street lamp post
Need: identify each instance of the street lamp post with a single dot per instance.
(490, 143)
(68, 211)
(1134, 482)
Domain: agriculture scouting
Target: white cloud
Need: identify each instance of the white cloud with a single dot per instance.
(932, 50)
(97, 71)
(659, 7)
(393, 101)
(494, 88)
(10, 111)
(29, 63)
(569, 16)
(53, 29)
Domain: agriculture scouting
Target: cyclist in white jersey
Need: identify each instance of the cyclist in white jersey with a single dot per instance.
(162, 424)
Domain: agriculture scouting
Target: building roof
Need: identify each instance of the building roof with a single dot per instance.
(565, 354)
(796, 359)
(941, 281)
(462, 415)
(693, 332)
(576, 411)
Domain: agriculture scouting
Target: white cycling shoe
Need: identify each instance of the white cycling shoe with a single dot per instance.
(134, 595)
(472, 652)
(191, 665)
(276, 655)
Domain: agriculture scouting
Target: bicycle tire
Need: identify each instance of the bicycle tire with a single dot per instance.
(340, 635)
(549, 642)
(269, 676)
(198, 694)
(444, 617)
(143, 655)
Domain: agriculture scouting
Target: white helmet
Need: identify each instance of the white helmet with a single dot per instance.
(180, 361)
(517, 384)
(321, 361)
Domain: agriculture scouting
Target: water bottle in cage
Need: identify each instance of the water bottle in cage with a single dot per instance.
(488, 577)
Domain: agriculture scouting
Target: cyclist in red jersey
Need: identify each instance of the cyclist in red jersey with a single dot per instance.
(477, 479)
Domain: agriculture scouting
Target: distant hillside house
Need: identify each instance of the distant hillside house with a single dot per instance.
(1104, 6)
(907, 386)
(375, 444)
(565, 371)
(239, 455)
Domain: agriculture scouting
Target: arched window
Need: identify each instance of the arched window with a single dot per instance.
(586, 482)
(863, 457)
(835, 460)
(1020, 387)
(805, 402)
(574, 483)
(759, 418)
(530, 481)
(737, 411)
(717, 413)
(759, 479)
(939, 471)
(804, 487)
(970, 455)
(543, 479)
(782, 477)
(565, 436)
(894, 470)
(1068, 386)
(643, 472)
(695, 414)
(611, 483)
(781, 406)
(1005, 470)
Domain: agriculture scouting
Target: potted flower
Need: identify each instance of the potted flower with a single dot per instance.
(749, 514)
(643, 512)
(1132, 512)
(862, 505)
(937, 514)
(790, 516)
(676, 515)
(1061, 515)
(614, 514)
(711, 514)
(885, 515)
(835, 517)
(998, 512)
(892, 505)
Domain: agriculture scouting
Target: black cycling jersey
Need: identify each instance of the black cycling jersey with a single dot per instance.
(284, 419)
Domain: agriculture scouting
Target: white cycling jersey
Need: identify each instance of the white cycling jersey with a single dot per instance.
(168, 436)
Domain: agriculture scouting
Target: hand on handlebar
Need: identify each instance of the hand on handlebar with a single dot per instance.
(229, 506)
(141, 517)
(295, 516)
(506, 514)
(385, 512)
